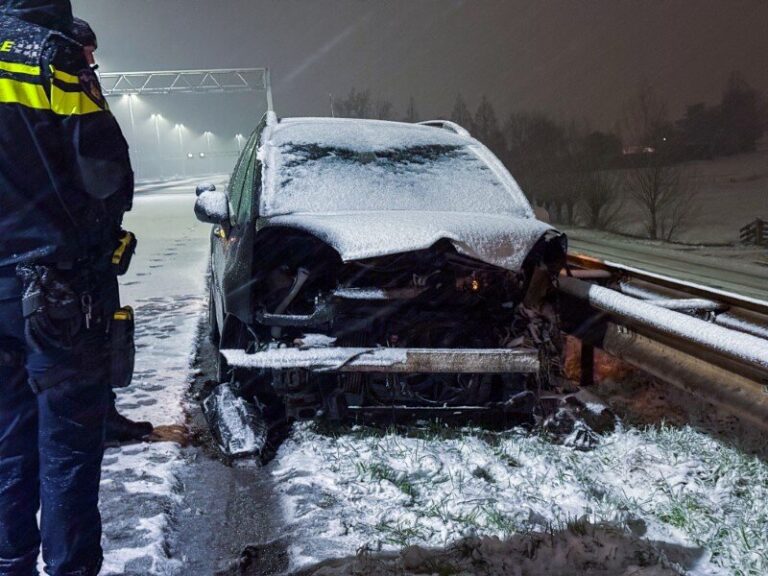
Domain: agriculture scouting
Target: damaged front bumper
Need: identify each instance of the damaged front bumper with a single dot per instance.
(391, 360)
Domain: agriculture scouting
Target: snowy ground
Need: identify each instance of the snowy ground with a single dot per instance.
(699, 504)
(166, 286)
(673, 499)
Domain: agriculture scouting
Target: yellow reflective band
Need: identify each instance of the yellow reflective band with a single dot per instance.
(125, 240)
(65, 77)
(20, 68)
(24, 93)
(72, 103)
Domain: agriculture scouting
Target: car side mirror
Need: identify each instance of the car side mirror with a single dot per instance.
(204, 188)
(212, 207)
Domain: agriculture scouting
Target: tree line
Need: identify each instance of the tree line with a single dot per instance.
(591, 177)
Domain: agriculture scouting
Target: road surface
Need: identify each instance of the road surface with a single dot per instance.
(740, 277)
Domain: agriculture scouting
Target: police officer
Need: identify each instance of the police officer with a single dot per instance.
(65, 176)
(119, 428)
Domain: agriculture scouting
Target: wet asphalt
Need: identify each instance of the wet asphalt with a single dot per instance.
(228, 519)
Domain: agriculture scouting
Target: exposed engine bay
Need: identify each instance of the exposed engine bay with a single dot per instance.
(304, 297)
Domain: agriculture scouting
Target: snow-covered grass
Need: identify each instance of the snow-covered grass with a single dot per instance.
(372, 491)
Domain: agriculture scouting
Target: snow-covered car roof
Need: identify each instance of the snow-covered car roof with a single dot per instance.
(318, 165)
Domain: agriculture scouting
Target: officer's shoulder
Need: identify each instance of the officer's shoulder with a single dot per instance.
(22, 42)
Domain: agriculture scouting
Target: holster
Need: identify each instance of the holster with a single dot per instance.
(52, 307)
(122, 347)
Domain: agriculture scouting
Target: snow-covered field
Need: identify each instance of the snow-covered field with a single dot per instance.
(702, 506)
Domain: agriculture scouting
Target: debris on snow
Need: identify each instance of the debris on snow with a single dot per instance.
(238, 428)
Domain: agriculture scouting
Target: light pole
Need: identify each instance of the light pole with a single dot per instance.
(131, 98)
(180, 129)
(156, 119)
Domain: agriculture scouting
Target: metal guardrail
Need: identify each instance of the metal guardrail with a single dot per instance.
(690, 289)
(755, 232)
(715, 344)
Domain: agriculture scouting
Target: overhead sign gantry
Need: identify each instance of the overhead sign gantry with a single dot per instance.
(187, 81)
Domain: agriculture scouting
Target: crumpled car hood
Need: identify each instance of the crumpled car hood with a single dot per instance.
(500, 240)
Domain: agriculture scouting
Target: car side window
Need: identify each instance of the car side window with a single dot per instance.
(252, 183)
(235, 188)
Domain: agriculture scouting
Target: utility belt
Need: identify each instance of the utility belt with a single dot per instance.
(63, 306)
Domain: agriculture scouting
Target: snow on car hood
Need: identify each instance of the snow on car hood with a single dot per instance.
(500, 240)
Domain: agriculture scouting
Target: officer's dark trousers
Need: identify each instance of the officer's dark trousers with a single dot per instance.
(51, 447)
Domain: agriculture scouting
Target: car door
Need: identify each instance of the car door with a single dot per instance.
(220, 235)
(232, 250)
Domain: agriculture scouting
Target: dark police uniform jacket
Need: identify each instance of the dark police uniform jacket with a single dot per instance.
(65, 174)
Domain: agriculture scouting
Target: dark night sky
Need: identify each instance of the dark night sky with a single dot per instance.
(571, 58)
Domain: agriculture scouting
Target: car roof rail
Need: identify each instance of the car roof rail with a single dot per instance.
(447, 125)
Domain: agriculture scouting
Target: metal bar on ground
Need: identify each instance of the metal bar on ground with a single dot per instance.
(390, 360)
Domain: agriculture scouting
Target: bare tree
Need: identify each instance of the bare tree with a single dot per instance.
(461, 114)
(357, 104)
(486, 128)
(665, 197)
(659, 188)
(412, 115)
(384, 109)
(601, 200)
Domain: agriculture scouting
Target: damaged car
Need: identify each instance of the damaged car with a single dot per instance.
(365, 267)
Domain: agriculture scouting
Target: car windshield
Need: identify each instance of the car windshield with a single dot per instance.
(347, 166)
